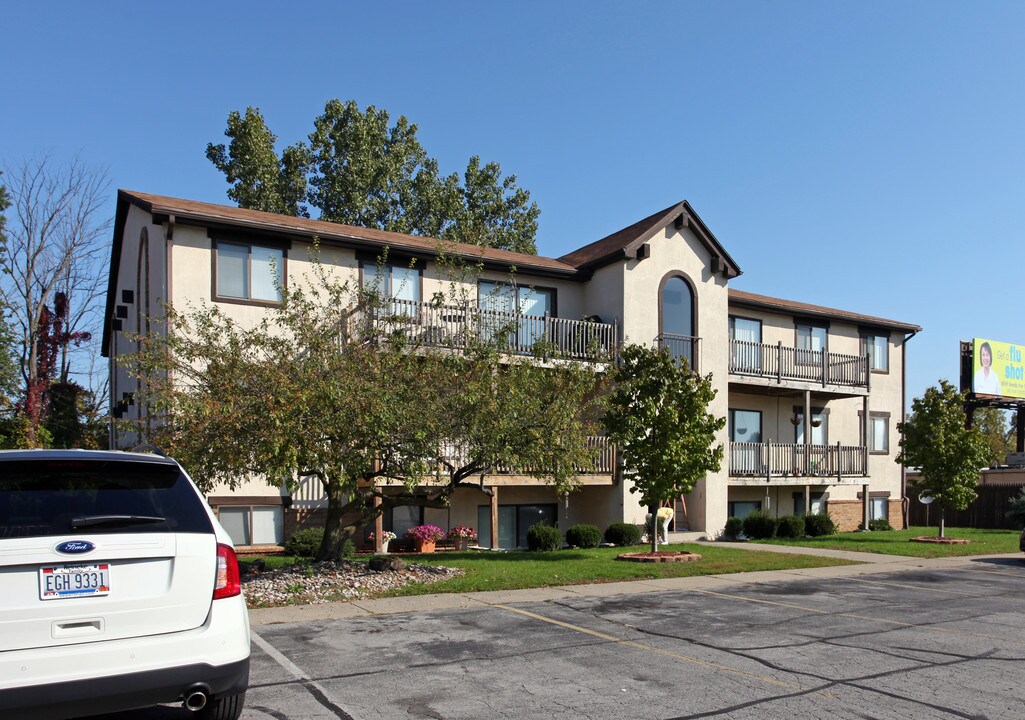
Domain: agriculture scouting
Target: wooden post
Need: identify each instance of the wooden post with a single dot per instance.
(865, 505)
(378, 526)
(866, 428)
(807, 431)
(494, 517)
(807, 499)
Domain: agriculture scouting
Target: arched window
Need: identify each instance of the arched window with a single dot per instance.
(677, 330)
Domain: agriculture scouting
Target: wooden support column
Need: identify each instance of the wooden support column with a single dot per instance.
(866, 504)
(807, 499)
(494, 517)
(807, 431)
(378, 526)
(866, 428)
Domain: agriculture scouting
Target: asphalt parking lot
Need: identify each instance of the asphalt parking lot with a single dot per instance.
(930, 640)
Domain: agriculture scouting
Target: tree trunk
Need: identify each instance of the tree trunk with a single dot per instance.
(942, 513)
(335, 534)
(653, 511)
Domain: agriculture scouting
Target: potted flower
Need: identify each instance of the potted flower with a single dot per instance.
(386, 537)
(424, 537)
(461, 535)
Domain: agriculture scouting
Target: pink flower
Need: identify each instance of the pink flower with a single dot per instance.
(425, 533)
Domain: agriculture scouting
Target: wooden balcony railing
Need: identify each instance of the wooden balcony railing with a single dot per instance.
(604, 464)
(458, 326)
(772, 459)
(787, 363)
(680, 347)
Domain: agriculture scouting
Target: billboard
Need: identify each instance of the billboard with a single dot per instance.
(998, 369)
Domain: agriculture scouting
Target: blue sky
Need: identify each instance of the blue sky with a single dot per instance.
(868, 156)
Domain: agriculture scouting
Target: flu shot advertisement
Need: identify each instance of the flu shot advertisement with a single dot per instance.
(998, 369)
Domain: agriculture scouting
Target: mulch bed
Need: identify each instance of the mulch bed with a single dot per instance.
(941, 541)
(662, 556)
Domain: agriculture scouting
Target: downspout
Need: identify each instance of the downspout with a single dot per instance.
(111, 390)
(903, 415)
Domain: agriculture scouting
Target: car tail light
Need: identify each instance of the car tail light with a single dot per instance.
(228, 584)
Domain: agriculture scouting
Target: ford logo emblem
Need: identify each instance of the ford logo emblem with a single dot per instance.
(74, 547)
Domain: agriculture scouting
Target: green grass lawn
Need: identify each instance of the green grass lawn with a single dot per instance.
(514, 570)
(483, 570)
(897, 542)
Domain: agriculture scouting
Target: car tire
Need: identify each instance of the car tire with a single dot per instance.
(223, 707)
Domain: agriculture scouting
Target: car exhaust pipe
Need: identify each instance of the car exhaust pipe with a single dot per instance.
(196, 698)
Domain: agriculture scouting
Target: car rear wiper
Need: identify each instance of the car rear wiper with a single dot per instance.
(113, 520)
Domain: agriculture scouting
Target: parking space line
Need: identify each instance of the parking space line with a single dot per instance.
(868, 618)
(909, 587)
(318, 693)
(668, 653)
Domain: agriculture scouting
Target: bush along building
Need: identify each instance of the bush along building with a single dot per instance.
(812, 394)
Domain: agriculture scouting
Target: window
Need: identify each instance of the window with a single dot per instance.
(818, 503)
(878, 433)
(877, 347)
(745, 430)
(819, 426)
(398, 283)
(745, 350)
(745, 426)
(878, 508)
(676, 318)
(526, 308)
(742, 508)
(812, 338)
(513, 523)
(253, 524)
(249, 272)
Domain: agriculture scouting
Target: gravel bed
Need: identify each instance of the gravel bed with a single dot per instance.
(310, 584)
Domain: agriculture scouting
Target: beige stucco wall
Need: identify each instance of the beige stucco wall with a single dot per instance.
(679, 252)
(845, 414)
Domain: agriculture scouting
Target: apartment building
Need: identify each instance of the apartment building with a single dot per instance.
(812, 394)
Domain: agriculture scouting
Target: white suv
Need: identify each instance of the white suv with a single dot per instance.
(118, 589)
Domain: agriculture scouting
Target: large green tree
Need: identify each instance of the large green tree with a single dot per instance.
(360, 169)
(353, 399)
(658, 417)
(992, 423)
(949, 455)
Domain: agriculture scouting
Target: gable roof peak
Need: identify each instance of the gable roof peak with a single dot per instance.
(626, 243)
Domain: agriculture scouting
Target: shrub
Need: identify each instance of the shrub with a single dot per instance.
(734, 526)
(816, 525)
(543, 538)
(879, 525)
(790, 526)
(759, 525)
(1016, 509)
(651, 525)
(305, 543)
(584, 536)
(622, 534)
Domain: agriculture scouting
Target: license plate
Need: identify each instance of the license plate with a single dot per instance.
(62, 581)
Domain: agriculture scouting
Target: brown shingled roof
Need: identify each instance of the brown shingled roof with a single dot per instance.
(328, 231)
(624, 244)
(739, 297)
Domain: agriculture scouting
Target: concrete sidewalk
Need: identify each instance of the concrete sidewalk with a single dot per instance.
(870, 563)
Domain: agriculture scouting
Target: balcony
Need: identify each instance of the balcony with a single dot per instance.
(604, 459)
(792, 460)
(680, 347)
(461, 325)
(783, 364)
